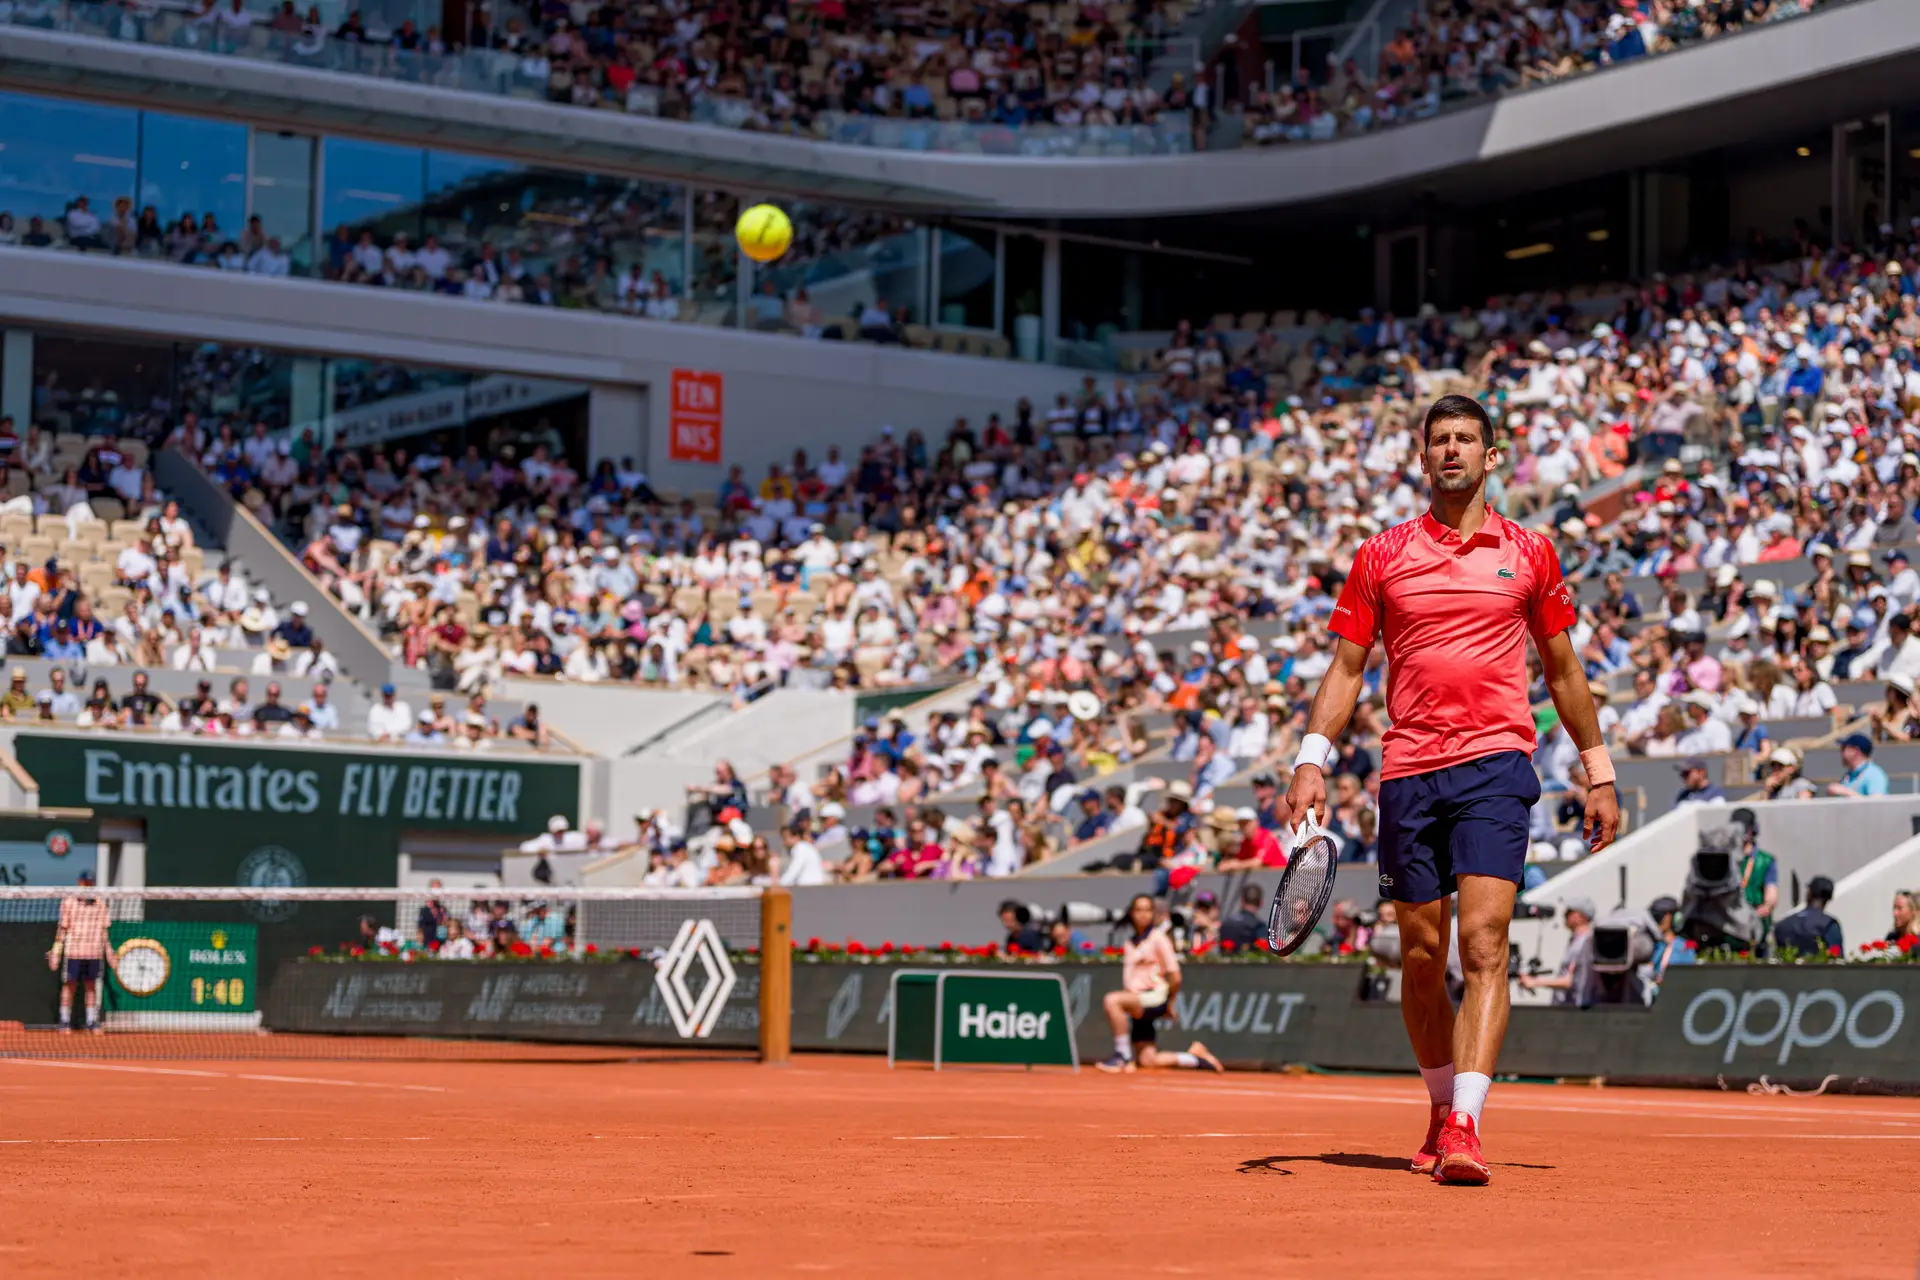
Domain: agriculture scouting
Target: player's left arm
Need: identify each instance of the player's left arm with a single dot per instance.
(1553, 616)
(1567, 683)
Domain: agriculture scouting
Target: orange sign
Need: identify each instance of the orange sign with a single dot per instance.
(695, 418)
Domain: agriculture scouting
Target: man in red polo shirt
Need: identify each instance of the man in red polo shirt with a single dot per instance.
(1455, 595)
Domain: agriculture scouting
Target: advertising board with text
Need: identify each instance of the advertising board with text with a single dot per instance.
(695, 416)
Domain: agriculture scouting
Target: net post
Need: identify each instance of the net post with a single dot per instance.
(776, 975)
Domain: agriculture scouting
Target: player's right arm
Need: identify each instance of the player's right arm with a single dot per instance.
(1333, 705)
(1356, 621)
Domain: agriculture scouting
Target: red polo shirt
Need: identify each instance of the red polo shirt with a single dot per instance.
(1456, 616)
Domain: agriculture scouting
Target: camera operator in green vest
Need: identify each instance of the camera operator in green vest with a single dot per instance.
(1759, 875)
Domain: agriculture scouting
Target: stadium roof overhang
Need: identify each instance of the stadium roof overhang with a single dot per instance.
(1847, 61)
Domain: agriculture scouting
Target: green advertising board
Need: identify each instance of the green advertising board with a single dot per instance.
(163, 969)
(220, 814)
(976, 1016)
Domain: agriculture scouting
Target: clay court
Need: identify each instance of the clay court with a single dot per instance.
(839, 1166)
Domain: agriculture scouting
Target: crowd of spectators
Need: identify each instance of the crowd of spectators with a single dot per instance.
(1044, 554)
(1459, 50)
(830, 69)
(766, 66)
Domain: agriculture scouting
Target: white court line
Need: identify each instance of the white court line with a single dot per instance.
(964, 1137)
(353, 1084)
(1615, 1106)
(23, 1142)
(222, 1075)
(1804, 1137)
(27, 1142)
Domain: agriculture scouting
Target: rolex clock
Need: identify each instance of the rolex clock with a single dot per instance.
(142, 965)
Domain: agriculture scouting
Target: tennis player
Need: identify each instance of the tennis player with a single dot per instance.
(1456, 594)
(1149, 980)
(80, 951)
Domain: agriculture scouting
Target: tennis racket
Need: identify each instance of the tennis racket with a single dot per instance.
(1305, 887)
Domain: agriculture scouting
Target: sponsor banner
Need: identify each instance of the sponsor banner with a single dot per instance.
(1741, 1022)
(1711, 1023)
(45, 851)
(1011, 1017)
(695, 417)
(217, 814)
(600, 1003)
(439, 409)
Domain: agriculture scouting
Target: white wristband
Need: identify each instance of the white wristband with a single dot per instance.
(1315, 749)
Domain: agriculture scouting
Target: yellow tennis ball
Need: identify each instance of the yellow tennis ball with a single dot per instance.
(763, 232)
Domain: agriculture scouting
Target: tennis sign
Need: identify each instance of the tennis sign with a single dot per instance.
(976, 1016)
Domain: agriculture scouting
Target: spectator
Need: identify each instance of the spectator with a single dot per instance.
(1669, 948)
(390, 719)
(1247, 925)
(1906, 919)
(1862, 777)
(1810, 930)
(1697, 785)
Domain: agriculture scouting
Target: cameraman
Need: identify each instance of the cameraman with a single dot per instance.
(1572, 983)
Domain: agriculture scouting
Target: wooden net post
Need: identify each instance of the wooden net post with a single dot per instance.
(776, 975)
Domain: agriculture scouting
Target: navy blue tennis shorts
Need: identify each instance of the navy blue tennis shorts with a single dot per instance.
(1469, 819)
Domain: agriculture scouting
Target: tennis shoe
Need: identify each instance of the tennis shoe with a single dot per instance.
(1428, 1156)
(1117, 1063)
(1459, 1148)
(1207, 1059)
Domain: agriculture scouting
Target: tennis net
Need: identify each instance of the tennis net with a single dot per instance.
(382, 973)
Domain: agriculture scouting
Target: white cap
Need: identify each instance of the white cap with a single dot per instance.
(832, 809)
(1244, 814)
(299, 608)
(556, 824)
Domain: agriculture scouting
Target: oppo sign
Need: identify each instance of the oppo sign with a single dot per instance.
(1804, 1020)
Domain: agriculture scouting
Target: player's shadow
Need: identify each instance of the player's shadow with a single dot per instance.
(1338, 1159)
(1349, 1160)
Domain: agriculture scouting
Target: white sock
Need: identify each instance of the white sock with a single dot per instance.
(1470, 1093)
(1123, 1045)
(1439, 1083)
(1187, 1059)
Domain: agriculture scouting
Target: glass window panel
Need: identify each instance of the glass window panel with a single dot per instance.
(101, 386)
(53, 151)
(283, 193)
(575, 237)
(966, 279)
(843, 263)
(198, 167)
(369, 186)
(716, 257)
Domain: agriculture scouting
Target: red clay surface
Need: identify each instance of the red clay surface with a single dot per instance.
(837, 1166)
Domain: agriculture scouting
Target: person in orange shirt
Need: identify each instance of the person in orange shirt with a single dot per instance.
(1149, 982)
(1781, 545)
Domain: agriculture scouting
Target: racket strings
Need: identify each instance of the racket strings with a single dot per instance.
(1301, 897)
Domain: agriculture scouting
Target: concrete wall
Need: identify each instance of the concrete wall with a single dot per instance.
(780, 393)
(1852, 59)
(608, 719)
(1863, 901)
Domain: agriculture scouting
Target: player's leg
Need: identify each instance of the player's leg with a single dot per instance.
(90, 985)
(66, 995)
(1413, 852)
(1122, 1008)
(1148, 1056)
(1489, 858)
